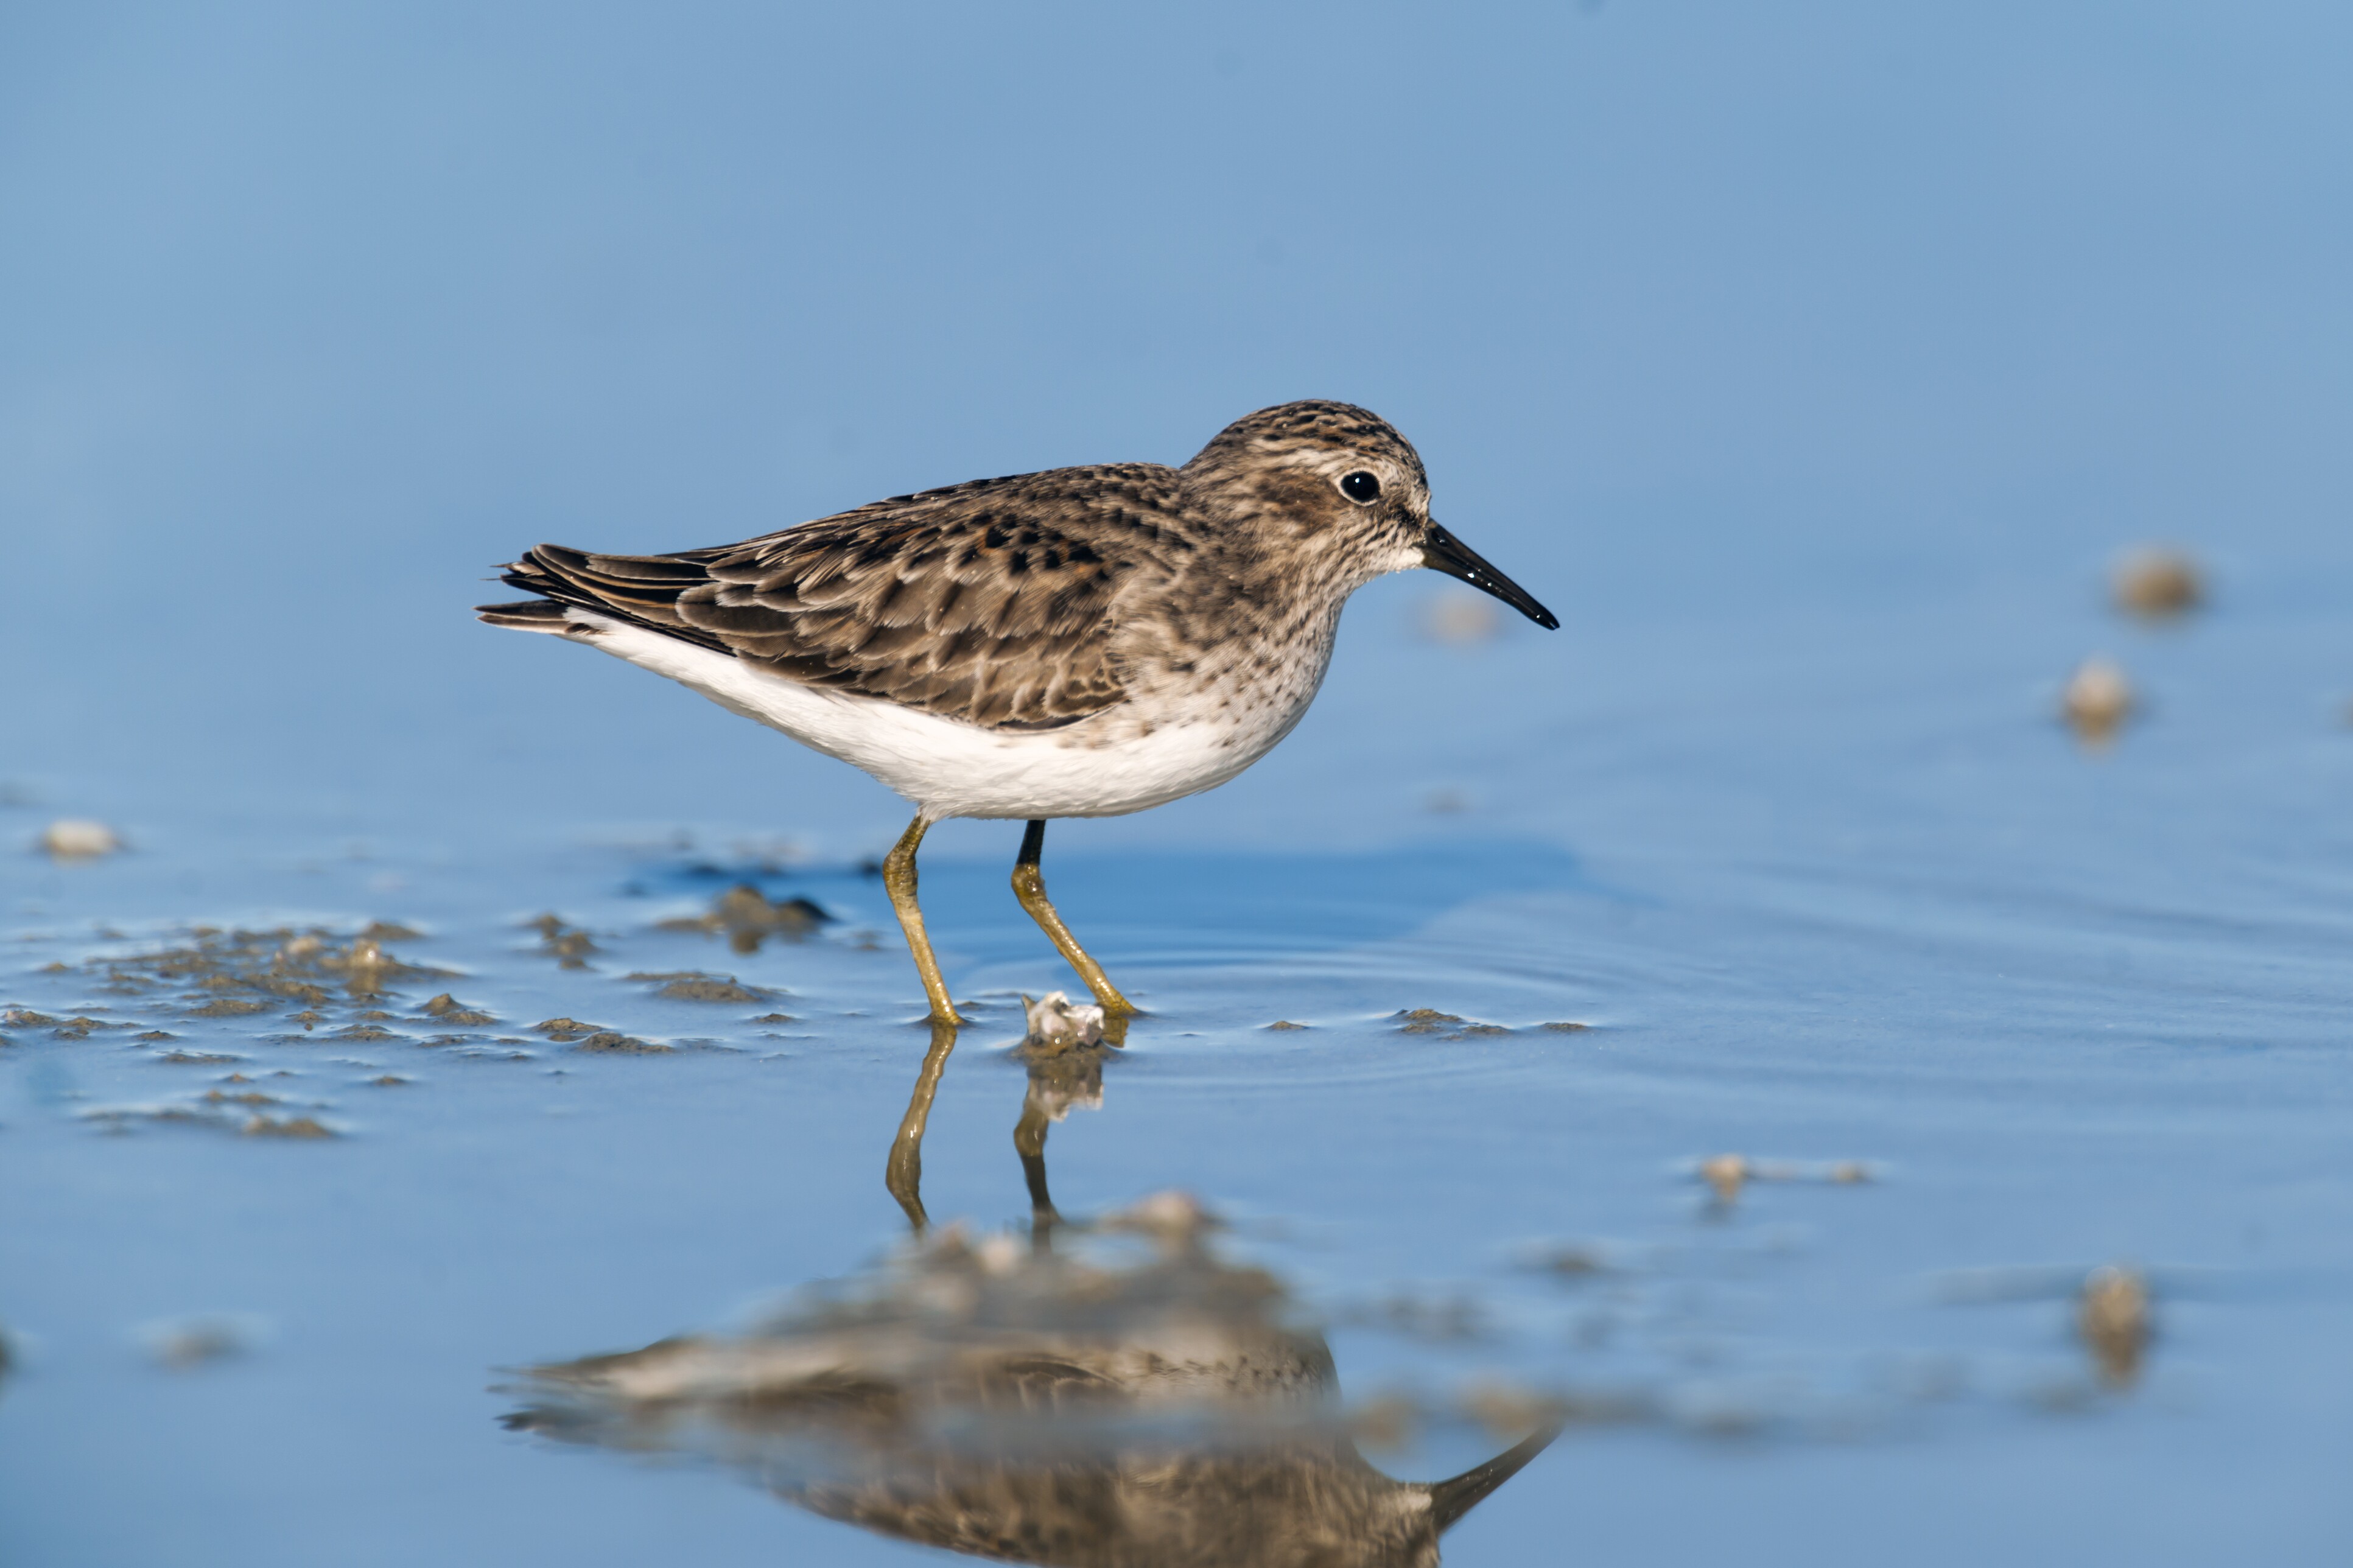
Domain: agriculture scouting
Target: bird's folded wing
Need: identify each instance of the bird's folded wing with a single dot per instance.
(989, 603)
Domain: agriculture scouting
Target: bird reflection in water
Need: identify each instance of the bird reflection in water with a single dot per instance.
(1104, 1393)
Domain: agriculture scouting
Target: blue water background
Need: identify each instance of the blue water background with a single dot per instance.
(1811, 362)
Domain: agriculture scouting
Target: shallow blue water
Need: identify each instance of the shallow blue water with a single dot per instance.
(1814, 385)
(2077, 1024)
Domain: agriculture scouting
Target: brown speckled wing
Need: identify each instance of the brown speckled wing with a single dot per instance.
(990, 602)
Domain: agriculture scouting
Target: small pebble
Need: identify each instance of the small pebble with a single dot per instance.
(1571, 1261)
(79, 839)
(2158, 584)
(186, 1342)
(2098, 699)
(2113, 1316)
(1728, 1173)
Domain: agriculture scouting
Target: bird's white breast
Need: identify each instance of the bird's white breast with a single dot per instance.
(1103, 766)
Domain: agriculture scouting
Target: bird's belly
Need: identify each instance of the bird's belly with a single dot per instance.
(1102, 766)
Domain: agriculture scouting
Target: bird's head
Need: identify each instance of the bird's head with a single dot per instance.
(1336, 483)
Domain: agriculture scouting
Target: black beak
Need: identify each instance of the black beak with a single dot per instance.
(1451, 1499)
(1442, 551)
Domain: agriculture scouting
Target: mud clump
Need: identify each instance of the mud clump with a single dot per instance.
(563, 1029)
(709, 989)
(218, 973)
(1430, 1021)
(74, 1028)
(228, 1007)
(568, 945)
(1572, 1260)
(248, 1097)
(447, 1009)
(2157, 583)
(288, 1127)
(748, 917)
(693, 985)
(217, 1109)
(184, 1343)
(608, 1042)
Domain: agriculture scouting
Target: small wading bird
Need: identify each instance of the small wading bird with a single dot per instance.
(1081, 642)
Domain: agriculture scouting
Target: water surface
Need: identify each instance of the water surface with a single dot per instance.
(1813, 364)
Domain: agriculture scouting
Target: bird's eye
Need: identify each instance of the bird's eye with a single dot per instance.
(1361, 488)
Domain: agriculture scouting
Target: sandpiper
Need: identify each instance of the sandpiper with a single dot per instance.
(1080, 642)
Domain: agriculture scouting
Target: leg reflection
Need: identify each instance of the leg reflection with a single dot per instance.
(904, 1173)
(1059, 1077)
(1030, 1142)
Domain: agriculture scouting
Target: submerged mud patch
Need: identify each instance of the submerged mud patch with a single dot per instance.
(213, 973)
(693, 985)
(1447, 1026)
(611, 1042)
(567, 944)
(245, 1114)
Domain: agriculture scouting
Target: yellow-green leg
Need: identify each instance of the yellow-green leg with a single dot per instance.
(899, 878)
(1029, 887)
